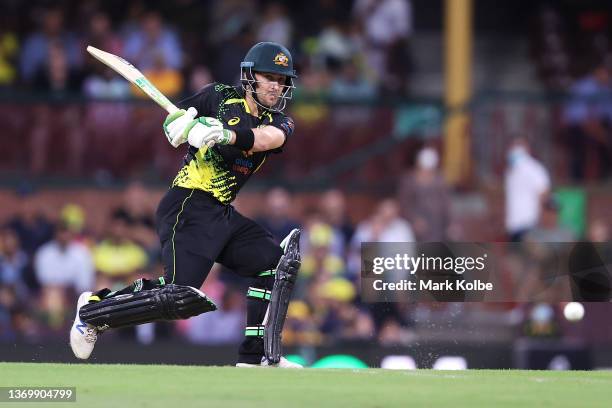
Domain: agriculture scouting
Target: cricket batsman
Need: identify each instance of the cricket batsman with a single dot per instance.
(230, 132)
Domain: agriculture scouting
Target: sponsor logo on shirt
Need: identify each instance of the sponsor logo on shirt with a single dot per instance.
(243, 166)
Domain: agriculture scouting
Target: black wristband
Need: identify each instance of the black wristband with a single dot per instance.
(245, 139)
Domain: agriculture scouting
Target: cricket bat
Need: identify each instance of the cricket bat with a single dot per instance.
(129, 72)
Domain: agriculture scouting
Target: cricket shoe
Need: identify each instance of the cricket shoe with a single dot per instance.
(83, 336)
(283, 363)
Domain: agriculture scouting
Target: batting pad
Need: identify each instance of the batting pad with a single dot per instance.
(284, 281)
(169, 302)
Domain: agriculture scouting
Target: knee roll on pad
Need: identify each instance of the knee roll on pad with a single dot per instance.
(169, 302)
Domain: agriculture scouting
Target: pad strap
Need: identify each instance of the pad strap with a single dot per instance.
(256, 293)
(254, 331)
(271, 272)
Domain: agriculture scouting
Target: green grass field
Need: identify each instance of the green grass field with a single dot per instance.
(190, 386)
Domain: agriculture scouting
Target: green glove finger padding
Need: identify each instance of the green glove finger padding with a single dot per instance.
(191, 125)
(173, 116)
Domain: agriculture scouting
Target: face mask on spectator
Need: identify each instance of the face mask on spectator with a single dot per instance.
(427, 159)
(516, 154)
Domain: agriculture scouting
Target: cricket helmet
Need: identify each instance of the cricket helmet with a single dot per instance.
(273, 58)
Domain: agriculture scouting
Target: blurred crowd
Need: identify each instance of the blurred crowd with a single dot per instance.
(47, 258)
(572, 54)
(345, 48)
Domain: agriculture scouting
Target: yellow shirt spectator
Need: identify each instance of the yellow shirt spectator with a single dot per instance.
(119, 259)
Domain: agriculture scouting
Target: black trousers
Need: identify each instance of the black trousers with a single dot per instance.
(196, 230)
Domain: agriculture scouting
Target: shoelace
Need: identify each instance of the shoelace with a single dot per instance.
(91, 336)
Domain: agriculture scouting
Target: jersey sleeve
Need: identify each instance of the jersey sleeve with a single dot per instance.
(206, 101)
(284, 123)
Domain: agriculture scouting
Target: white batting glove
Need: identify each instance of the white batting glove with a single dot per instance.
(176, 124)
(208, 131)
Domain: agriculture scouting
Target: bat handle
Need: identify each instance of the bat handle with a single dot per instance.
(172, 109)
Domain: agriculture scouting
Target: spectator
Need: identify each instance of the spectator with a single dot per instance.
(337, 44)
(424, 198)
(57, 76)
(63, 267)
(117, 258)
(101, 35)
(319, 262)
(385, 225)
(137, 213)
(310, 18)
(230, 55)
(548, 229)
(7, 331)
(31, 225)
(14, 264)
(275, 26)
(314, 220)
(103, 83)
(385, 24)
(152, 44)
(392, 333)
(333, 212)
(300, 327)
(587, 116)
(168, 80)
(37, 47)
(225, 325)
(277, 217)
(9, 49)
(64, 263)
(229, 18)
(527, 185)
(351, 85)
(199, 78)
(337, 316)
(542, 245)
(73, 216)
(598, 231)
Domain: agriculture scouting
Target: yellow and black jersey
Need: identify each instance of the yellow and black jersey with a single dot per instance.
(223, 170)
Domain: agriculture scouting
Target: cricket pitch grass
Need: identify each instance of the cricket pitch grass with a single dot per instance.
(191, 386)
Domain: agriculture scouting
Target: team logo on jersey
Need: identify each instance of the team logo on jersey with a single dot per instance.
(281, 59)
(233, 121)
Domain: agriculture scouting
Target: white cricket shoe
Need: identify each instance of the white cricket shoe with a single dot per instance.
(83, 336)
(283, 363)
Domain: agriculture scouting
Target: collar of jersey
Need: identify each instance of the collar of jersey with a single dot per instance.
(246, 106)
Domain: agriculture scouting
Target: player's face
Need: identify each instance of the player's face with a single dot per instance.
(269, 87)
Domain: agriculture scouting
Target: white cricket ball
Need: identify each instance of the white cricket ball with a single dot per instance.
(573, 311)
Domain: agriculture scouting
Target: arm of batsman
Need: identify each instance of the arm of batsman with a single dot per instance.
(267, 138)
(207, 131)
(176, 124)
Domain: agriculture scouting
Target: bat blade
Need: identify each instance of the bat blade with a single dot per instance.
(132, 74)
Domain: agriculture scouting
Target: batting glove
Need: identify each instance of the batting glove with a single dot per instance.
(176, 124)
(207, 131)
